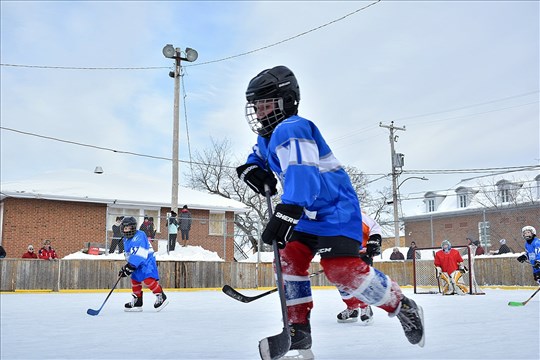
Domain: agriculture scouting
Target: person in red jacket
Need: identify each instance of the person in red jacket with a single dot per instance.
(47, 252)
(450, 269)
(30, 254)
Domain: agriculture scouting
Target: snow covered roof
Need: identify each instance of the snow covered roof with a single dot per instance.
(110, 188)
(484, 191)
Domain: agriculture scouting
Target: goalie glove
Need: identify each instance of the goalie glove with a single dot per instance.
(373, 245)
(281, 224)
(126, 270)
(256, 178)
(463, 269)
(522, 258)
(439, 270)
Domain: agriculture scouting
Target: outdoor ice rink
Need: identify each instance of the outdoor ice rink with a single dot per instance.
(210, 325)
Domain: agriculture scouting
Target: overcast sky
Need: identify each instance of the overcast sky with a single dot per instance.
(461, 76)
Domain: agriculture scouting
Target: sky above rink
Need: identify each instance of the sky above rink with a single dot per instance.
(201, 325)
(79, 79)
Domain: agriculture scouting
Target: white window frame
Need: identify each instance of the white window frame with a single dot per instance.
(216, 219)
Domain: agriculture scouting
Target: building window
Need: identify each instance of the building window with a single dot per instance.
(505, 195)
(462, 200)
(484, 233)
(216, 223)
(137, 213)
(430, 203)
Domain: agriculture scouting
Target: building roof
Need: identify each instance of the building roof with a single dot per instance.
(125, 189)
(484, 192)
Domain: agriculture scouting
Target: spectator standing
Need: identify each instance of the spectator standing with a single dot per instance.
(30, 254)
(411, 251)
(503, 249)
(148, 228)
(185, 224)
(47, 252)
(532, 251)
(450, 269)
(117, 236)
(479, 249)
(172, 227)
(396, 255)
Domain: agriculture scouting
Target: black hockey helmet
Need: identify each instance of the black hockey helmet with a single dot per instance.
(276, 87)
(130, 222)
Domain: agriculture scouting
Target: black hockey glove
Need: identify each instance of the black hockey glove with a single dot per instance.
(536, 265)
(537, 277)
(522, 258)
(281, 224)
(373, 245)
(256, 178)
(126, 270)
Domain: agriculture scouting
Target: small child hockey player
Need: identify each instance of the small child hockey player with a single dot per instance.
(532, 251)
(141, 266)
(450, 269)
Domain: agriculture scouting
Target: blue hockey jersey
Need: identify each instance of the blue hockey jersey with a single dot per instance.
(311, 177)
(140, 254)
(533, 252)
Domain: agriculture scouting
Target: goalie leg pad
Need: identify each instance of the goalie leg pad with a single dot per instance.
(447, 286)
(459, 285)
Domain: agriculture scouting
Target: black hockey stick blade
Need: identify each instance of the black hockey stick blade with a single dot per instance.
(275, 347)
(93, 312)
(243, 298)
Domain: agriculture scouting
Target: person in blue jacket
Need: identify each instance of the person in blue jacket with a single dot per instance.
(532, 251)
(319, 210)
(141, 266)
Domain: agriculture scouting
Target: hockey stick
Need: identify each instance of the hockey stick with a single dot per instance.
(228, 290)
(95, 312)
(517, 303)
(275, 347)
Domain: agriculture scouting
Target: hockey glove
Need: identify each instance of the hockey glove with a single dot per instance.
(536, 265)
(439, 270)
(373, 245)
(463, 269)
(126, 270)
(537, 277)
(522, 258)
(256, 178)
(281, 224)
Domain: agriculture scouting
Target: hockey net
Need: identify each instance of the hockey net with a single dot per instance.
(425, 278)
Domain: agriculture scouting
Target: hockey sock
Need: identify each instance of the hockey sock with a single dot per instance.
(136, 287)
(153, 285)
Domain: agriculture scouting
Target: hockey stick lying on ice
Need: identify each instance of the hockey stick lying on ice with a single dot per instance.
(95, 312)
(228, 290)
(275, 347)
(517, 303)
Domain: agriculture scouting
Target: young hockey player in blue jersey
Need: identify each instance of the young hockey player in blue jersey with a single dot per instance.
(532, 251)
(319, 210)
(141, 266)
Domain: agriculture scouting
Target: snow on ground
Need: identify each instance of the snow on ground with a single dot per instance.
(209, 325)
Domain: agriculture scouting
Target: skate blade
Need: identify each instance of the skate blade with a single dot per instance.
(306, 354)
(349, 320)
(165, 303)
(423, 339)
(137, 309)
(367, 322)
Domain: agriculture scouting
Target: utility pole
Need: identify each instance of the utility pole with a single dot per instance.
(397, 162)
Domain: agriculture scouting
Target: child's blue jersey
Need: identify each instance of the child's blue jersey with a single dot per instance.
(140, 254)
(533, 251)
(311, 177)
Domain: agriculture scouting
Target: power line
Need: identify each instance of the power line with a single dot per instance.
(200, 63)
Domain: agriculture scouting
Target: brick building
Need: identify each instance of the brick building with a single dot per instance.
(486, 208)
(76, 207)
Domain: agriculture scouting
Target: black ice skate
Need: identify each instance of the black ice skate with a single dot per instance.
(135, 305)
(366, 315)
(347, 316)
(300, 343)
(411, 317)
(161, 301)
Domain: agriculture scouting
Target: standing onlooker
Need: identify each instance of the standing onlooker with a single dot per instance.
(117, 236)
(2, 252)
(173, 231)
(479, 248)
(411, 251)
(396, 255)
(30, 254)
(148, 227)
(141, 266)
(503, 249)
(450, 269)
(185, 224)
(532, 251)
(47, 252)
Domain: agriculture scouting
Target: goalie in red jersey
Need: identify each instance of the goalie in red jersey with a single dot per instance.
(450, 270)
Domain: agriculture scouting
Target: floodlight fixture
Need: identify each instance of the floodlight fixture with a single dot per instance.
(169, 51)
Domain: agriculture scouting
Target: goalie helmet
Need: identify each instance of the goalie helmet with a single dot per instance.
(130, 223)
(272, 96)
(448, 246)
(528, 228)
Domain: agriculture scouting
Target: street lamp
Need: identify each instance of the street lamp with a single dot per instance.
(412, 177)
(191, 55)
(396, 201)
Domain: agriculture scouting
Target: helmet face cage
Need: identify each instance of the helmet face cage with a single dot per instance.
(528, 236)
(131, 224)
(264, 115)
(448, 245)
